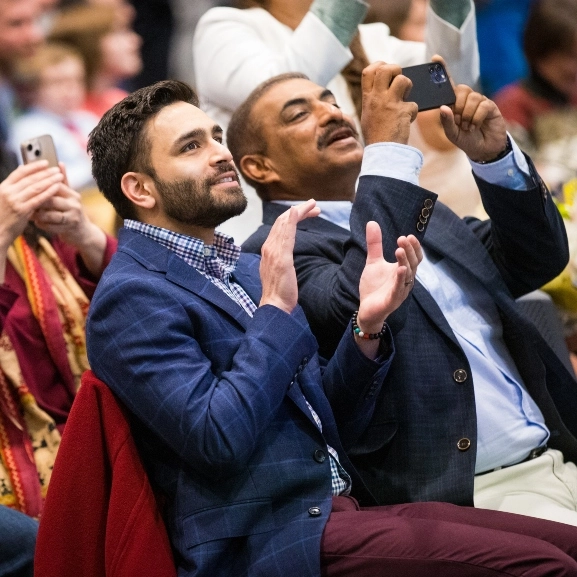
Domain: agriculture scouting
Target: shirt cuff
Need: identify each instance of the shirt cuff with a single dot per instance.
(454, 12)
(511, 172)
(341, 17)
(392, 160)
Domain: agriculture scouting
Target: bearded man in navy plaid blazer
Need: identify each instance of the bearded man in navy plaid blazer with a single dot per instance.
(228, 395)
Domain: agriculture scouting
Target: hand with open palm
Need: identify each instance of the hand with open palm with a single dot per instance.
(384, 285)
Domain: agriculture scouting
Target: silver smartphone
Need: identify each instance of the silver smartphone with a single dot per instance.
(39, 148)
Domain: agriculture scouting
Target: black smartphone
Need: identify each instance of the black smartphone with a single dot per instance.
(431, 86)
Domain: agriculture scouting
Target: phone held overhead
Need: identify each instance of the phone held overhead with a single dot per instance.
(431, 86)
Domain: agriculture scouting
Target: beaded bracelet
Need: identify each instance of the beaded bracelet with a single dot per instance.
(372, 336)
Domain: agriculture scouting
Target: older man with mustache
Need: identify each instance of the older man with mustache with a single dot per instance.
(476, 409)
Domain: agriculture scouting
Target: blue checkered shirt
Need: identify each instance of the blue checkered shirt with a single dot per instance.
(217, 262)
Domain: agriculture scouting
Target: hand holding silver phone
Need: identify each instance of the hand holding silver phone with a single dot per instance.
(39, 148)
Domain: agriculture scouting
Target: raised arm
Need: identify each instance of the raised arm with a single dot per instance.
(21, 194)
(62, 214)
(525, 235)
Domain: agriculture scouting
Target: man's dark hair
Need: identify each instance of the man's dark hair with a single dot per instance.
(551, 27)
(244, 134)
(119, 143)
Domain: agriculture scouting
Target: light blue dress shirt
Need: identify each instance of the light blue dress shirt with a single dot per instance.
(509, 422)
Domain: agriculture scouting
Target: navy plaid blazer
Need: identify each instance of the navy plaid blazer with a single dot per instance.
(410, 451)
(219, 417)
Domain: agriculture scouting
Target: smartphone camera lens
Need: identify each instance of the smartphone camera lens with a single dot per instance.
(437, 73)
(29, 148)
(37, 152)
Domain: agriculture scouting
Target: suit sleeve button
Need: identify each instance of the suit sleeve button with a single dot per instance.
(314, 511)
(420, 226)
(425, 213)
(460, 375)
(463, 444)
(319, 456)
(428, 203)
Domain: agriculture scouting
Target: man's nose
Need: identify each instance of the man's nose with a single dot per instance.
(220, 153)
(328, 112)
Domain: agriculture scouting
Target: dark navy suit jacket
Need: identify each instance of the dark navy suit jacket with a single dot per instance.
(219, 413)
(410, 452)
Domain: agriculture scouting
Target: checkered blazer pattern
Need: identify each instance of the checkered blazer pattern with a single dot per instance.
(217, 411)
(410, 452)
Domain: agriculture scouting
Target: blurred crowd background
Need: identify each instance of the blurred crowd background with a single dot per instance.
(63, 63)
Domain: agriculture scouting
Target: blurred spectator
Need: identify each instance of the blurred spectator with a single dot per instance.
(51, 256)
(20, 35)
(110, 48)
(542, 108)
(500, 25)
(55, 79)
(406, 19)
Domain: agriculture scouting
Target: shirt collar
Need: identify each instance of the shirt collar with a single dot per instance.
(336, 211)
(218, 259)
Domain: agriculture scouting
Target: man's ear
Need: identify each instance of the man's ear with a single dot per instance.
(139, 189)
(259, 168)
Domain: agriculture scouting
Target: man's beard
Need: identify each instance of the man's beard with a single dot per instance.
(191, 201)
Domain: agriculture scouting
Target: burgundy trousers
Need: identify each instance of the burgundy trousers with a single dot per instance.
(443, 540)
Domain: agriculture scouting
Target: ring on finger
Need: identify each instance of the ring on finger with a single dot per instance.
(410, 281)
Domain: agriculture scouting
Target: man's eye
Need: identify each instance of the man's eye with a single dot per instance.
(335, 105)
(218, 139)
(191, 146)
(298, 115)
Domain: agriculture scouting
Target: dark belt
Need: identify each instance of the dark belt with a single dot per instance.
(532, 455)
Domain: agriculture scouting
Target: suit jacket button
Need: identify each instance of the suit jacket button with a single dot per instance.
(463, 444)
(460, 375)
(314, 511)
(428, 203)
(425, 213)
(319, 456)
(420, 226)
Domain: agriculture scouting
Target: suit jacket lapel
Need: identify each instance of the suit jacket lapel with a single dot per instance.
(431, 309)
(271, 211)
(154, 256)
(190, 279)
(447, 236)
(247, 276)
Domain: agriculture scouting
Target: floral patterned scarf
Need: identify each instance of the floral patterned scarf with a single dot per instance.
(29, 439)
